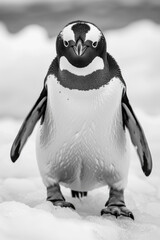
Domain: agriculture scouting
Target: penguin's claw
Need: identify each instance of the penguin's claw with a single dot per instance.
(62, 204)
(117, 211)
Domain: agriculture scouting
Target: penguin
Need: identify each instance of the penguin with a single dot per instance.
(84, 112)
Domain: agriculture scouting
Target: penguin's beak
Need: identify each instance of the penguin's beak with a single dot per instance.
(79, 48)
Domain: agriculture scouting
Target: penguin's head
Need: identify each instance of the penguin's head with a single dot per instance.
(80, 45)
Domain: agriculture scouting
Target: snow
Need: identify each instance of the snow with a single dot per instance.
(24, 213)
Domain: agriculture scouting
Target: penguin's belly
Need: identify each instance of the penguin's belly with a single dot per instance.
(81, 143)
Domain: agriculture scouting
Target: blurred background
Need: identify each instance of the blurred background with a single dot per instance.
(53, 14)
(28, 29)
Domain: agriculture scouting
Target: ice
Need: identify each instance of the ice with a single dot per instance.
(24, 212)
(29, 223)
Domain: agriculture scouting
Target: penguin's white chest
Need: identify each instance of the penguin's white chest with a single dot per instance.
(81, 143)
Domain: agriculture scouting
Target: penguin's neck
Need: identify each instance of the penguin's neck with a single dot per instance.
(93, 76)
(96, 64)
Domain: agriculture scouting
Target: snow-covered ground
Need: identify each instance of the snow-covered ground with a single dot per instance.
(24, 213)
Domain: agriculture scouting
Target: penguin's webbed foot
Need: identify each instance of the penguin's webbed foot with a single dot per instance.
(54, 195)
(117, 211)
(116, 205)
(64, 204)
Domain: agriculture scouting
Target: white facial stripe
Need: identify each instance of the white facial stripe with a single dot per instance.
(67, 33)
(93, 34)
(96, 64)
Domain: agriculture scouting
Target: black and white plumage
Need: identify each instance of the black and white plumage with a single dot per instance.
(84, 111)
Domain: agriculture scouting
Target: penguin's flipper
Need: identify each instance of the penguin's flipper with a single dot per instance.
(137, 135)
(28, 125)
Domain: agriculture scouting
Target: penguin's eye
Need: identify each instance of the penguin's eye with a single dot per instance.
(66, 43)
(94, 44)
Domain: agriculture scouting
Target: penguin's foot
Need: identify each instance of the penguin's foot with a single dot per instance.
(54, 195)
(117, 211)
(61, 203)
(116, 205)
